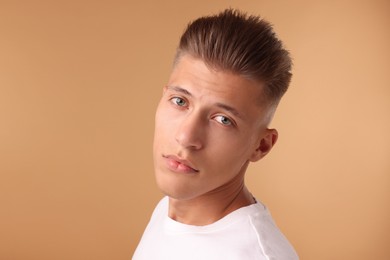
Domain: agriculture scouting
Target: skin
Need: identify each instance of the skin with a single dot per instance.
(209, 126)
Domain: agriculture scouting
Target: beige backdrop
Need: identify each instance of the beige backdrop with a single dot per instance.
(79, 83)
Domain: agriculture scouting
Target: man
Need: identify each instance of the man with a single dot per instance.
(229, 74)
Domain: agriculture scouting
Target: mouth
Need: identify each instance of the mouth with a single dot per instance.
(179, 165)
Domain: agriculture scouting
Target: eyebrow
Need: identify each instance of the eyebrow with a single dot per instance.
(179, 89)
(218, 104)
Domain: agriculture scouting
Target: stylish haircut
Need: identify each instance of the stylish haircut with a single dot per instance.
(242, 44)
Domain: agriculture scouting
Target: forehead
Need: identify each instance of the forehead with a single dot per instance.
(190, 72)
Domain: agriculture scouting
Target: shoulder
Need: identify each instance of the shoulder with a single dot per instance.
(161, 209)
(271, 240)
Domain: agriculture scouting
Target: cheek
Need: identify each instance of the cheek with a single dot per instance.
(159, 118)
(164, 114)
(229, 153)
(163, 126)
(237, 150)
(157, 128)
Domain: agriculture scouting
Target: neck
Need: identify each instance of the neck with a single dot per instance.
(210, 207)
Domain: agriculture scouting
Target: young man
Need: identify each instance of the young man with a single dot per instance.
(229, 74)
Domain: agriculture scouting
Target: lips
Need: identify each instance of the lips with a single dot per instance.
(177, 164)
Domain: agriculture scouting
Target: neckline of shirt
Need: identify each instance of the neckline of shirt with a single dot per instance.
(241, 214)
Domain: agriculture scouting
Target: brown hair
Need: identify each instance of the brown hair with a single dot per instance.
(246, 45)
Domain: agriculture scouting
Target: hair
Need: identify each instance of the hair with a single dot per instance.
(245, 45)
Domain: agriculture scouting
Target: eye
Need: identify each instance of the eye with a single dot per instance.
(223, 120)
(178, 101)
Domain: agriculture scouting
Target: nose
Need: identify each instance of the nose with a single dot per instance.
(191, 132)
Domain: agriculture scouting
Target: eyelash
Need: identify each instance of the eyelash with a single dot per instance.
(175, 101)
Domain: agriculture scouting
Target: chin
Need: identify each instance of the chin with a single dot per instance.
(175, 190)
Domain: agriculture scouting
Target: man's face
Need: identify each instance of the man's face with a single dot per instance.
(208, 127)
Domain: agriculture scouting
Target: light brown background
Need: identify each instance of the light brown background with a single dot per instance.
(79, 83)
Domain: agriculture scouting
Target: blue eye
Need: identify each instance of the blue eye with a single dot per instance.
(223, 120)
(178, 101)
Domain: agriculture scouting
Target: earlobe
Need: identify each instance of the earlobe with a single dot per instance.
(265, 144)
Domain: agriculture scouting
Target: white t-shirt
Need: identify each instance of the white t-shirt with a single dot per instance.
(245, 234)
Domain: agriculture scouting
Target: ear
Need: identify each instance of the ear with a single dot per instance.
(267, 141)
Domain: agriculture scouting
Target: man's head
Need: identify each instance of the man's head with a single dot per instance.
(241, 44)
(212, 120)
